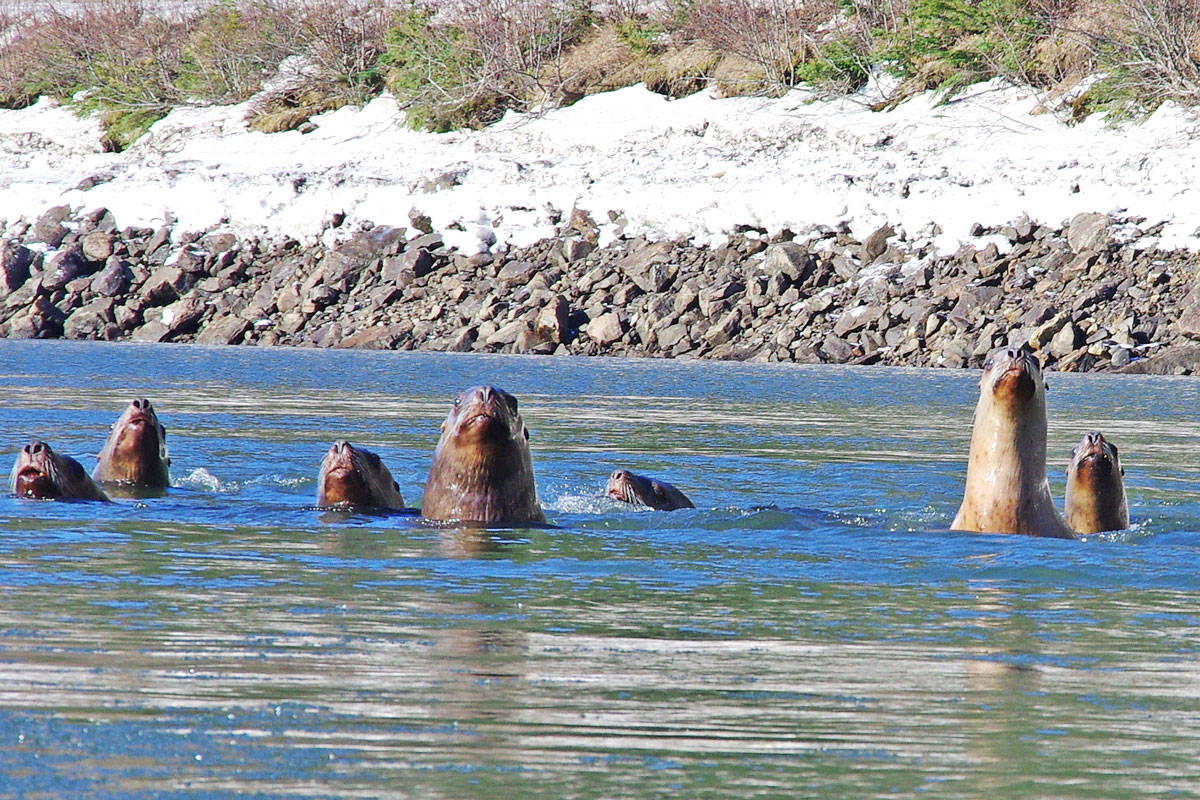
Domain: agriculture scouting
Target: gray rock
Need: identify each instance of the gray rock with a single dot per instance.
(16, 265)
(114, 280)
(876, 244)
(376, 337)
(789, 260)
(49, 228)
(1088, 232)
(553, 321)
(41, 320)
(229, 329)
(1065, 341)
(64, 267)
(90, 321)
(606, 328)
(723, 330)
(165, 285)
(97, 246)
(517, 272)
(837, 350)
(417, 260)
(508, 333)
(672, 335)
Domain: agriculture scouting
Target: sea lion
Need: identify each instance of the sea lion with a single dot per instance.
(135, 453)
(353, 477)
(630, 487)
(42, 474)
(482, 470)
(1007, 490)
(1095, 499)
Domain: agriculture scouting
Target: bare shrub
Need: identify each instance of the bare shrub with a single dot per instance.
(344, 40)
(773, 35)
(518, 44)
(466, 63)
(1157, 47)
(231, 49)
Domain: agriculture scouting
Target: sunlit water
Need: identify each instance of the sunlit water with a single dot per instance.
(810, 629)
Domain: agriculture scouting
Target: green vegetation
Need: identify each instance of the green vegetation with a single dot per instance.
(465, 64)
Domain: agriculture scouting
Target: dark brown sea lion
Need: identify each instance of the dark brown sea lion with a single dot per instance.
(630, 487)
(353, 477)
(42, 474)
(482, 470)
(1007, 490)
(1095, 491)
(135, 453)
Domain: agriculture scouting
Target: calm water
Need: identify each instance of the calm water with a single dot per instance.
(811, 629)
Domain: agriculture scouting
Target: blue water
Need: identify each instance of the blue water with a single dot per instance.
(810, 629)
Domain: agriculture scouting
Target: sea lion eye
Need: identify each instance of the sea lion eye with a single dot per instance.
(458, 401)
(991, 362)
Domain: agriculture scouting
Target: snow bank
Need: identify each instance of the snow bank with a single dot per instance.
(690, 168)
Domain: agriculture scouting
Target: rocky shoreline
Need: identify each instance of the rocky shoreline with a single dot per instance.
(1082, 294)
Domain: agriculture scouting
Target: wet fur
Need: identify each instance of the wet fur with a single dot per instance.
(629, 487)
(482, 470)
(1095, 499)
(135, 453)
(58, 477)
(353, 477)
(1006, 488)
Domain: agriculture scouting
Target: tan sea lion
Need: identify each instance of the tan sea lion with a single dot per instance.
(1007, 490)
(42, 474)
(482, 470)
(353, 477)
(1095, 491)
(630, 487)
(135, 453)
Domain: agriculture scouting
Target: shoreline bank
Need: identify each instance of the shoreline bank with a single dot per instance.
(1078, 294)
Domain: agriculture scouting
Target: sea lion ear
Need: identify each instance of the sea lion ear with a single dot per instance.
(527, 434)
(512, 403)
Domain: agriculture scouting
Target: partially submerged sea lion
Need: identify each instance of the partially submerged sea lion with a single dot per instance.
(1007, 490)
(629, 487)
(482, 470)
(135, 453)
(1095, 491)
(42, 474)
(353, 477)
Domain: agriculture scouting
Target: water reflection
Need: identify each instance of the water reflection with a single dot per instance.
(811, 628)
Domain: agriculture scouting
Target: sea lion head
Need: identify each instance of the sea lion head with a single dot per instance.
(483, 416)
(1095, 460)
(352, 476)
(1095, 496)
(42, 474)
(136, 449)
(36, 473)
(1013, 376)
(482, 470)
(629, 487)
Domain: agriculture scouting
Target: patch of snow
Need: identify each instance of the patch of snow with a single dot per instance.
(693, 168)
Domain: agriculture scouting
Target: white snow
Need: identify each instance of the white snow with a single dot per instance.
(693, 168)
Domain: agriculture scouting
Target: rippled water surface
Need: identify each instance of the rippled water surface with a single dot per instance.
(810, 629)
